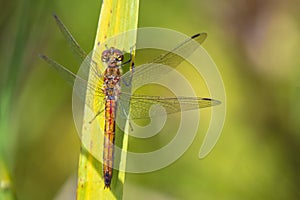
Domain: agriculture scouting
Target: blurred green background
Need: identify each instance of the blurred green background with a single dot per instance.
(254, 44)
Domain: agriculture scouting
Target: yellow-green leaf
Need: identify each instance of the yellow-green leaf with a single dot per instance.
(117, 16)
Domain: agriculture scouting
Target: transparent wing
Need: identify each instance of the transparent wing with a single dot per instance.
(141, 104)
(186, 48)
(89, 70)
(90, 92)
(154, 71)
(64, 72)
(71, 40)
(88, 67)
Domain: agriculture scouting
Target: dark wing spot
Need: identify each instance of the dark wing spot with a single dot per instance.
(194, 36)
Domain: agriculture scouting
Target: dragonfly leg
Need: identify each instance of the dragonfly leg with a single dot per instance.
(127, 117)
(132, 67)
(98, 113)
(131, 76)
(131, 127)
(130, 58)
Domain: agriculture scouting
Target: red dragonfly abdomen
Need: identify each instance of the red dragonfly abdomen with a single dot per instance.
(109, 139)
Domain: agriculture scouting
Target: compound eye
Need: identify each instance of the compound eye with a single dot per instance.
(104, 59)
(120, 57)
(104, 56)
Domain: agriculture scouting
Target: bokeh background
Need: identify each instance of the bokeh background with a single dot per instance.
(254, 43)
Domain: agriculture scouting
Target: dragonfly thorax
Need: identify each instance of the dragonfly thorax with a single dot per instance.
(111, 83)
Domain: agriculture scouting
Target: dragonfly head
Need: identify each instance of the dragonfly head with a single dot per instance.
(112, 57)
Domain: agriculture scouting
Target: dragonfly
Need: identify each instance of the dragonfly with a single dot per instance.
(109, 87)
